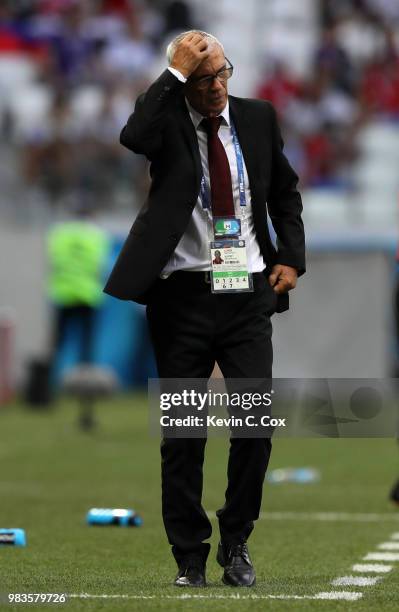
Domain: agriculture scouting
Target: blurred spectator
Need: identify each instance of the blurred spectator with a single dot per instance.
(279, 88)
(75, 150)
(322, 118)
(388, 10)
(379, 87)
(49, 151)
(333, 10)
(362, 37)
(129, 55)
(73, 50)
(178, 17)
(77, 253)
(332, 60)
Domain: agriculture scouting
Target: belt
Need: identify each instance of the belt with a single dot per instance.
(195, 279)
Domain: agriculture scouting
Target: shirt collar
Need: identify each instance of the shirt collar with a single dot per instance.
(196, 117)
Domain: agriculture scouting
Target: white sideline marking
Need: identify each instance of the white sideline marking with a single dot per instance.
(355, 581)
(388, 546)
(356, 517)
(382, 556)
(345, 595)
(378, 568)
(339, 595)
(395, 536)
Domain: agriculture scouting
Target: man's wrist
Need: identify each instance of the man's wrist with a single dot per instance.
(177, 74)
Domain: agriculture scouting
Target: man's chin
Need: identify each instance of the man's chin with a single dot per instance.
(217, 107)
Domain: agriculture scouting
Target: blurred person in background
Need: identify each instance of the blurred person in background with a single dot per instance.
(50, 151)
(279, 86)
(178, 17)
(332, 59)
(78, 251)
(185, 125)
(72, 49)
(130, 55)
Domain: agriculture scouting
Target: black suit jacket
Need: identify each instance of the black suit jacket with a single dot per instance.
(161, 129)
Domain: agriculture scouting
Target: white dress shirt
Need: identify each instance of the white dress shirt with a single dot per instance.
(193, 252)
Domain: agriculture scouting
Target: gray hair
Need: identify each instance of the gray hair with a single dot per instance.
(171, 48)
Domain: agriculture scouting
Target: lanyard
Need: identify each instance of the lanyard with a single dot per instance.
(204, 190)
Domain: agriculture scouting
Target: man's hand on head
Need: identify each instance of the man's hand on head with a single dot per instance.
(189, 53)
(283, 278)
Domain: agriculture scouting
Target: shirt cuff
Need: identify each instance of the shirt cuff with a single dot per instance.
(177, 74)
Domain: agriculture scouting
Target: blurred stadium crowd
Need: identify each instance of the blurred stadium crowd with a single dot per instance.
(70, 70)
(355, 76)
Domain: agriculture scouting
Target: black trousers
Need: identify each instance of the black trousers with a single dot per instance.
(191, 328)
(81, 315)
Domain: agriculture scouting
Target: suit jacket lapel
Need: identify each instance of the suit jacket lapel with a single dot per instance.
(190, 135)
(247, 142)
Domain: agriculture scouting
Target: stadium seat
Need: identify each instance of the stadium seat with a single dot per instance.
(378, 174)
(325, 207)
(15, 71)
(87, 102)
(29, 106)
(380, 139)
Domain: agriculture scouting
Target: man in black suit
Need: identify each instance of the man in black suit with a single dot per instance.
(212, 156)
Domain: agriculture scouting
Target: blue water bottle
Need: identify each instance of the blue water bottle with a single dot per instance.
(302, 475)
(113, 516)
(12, 537)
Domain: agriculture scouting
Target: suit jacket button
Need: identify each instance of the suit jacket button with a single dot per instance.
(174, 237)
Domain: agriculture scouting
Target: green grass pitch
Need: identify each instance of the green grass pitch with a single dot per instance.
(52, 473)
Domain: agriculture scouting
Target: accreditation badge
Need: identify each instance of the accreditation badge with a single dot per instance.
(226, 227)
(229, 267)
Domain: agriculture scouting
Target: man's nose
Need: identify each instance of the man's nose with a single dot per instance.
(216, 85)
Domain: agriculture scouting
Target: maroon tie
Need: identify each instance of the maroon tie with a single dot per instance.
(219, 171)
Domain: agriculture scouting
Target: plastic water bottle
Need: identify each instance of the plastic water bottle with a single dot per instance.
(114, 516)
(301, 475)
(12, 537)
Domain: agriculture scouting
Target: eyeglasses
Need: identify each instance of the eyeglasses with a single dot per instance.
(206, 81)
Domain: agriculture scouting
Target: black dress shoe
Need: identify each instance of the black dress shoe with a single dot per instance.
(191, 572)
(238, 568)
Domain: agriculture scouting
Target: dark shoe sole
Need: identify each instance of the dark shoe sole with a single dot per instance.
(189, 586)
(227, 583)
